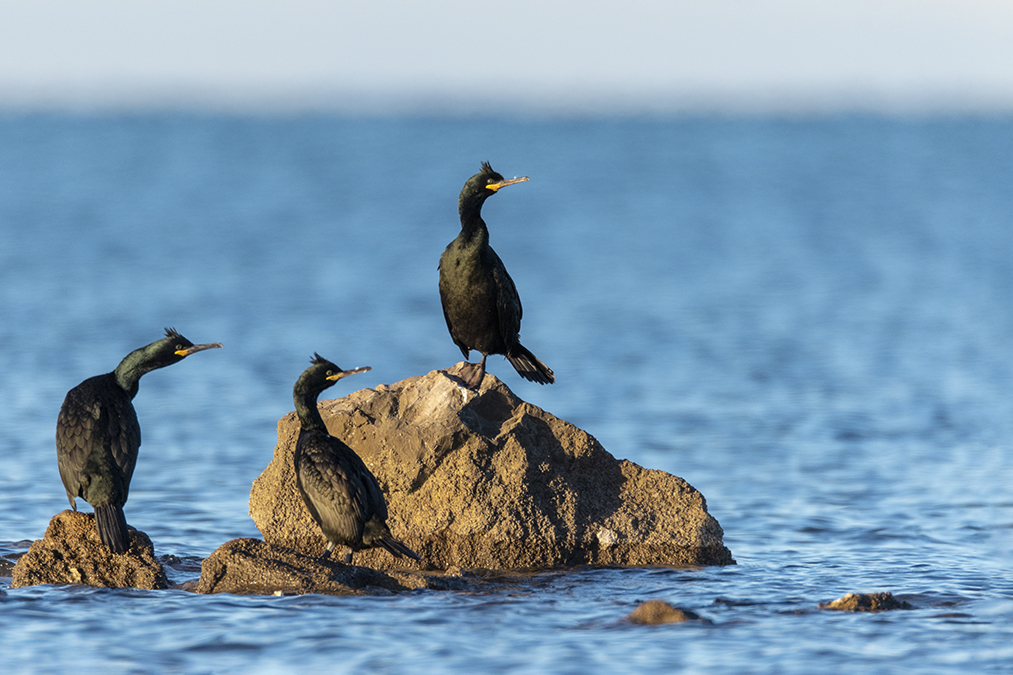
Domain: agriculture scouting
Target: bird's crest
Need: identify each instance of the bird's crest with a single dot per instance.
(317, 359)
(172, 333)
(487, 168)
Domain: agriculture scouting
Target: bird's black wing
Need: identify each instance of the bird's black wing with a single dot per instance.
(75, 436)
(94, 416)
(373, 499)
(124, 438)
(508, 302)
(330, 482)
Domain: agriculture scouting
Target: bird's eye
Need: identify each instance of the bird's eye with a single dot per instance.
(329, 373)
(179, 348)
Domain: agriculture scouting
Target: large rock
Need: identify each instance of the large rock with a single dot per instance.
(71, 553)
(492, 483)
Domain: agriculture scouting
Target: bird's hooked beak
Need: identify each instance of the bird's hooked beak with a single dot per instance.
(197, 348)
(505, 182)
(345, 373)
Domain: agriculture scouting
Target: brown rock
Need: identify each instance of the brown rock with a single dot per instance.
(71, 553)
(494, 483)
(866, 602)
(654, 612)
(251, 566)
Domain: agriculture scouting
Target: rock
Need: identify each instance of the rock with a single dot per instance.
(71, 553)
(654, 612)
(866, 602)
(251, 566)
(493, 483)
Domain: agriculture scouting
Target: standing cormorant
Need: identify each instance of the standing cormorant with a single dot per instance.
(340, 492)
(97, 434)
(480, 302)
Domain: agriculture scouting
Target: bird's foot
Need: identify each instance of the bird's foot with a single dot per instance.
(348, 556)
(472, 374)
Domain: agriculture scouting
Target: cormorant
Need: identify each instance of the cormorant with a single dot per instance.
(97, 434)
(340, 492)
(480, 302)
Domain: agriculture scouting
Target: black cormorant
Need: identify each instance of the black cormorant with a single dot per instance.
(341, 494)
(480, 302)
(97, 434)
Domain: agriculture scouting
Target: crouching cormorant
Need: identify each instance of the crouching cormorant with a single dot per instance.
(341, 494)
(480, 302)
(97, 434)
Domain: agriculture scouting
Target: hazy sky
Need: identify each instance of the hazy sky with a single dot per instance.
(624, 54)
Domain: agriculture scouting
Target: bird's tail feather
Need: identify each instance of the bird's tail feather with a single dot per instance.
(398, 549)
(528, 366)
(112, 527)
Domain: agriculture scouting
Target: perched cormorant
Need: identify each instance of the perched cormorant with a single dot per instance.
(97, 434)
(340, 492)
(480, 302)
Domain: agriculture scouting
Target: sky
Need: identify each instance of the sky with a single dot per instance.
(551, 55)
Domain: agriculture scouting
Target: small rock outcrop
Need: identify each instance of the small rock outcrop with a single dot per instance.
(71, 553)
(654, 612)
(252, 566)
(491, 482)
(866, 602)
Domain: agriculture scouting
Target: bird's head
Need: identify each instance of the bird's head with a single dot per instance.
(322, 374)
(171, 349)
(174, 348)
(484, 184)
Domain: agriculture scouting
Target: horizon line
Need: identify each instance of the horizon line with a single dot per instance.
(533, 102)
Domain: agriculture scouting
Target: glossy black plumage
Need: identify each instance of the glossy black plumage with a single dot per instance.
(480, 302)
(340, 492)
(98, 436)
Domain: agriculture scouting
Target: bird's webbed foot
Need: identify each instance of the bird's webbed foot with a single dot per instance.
(472, 374)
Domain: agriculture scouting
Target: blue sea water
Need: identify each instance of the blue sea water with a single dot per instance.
(808, 318)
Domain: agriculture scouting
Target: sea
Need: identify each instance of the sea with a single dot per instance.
(809, 317)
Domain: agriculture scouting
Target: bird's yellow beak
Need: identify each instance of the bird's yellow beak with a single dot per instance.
(344, 373)
(504, 183)
(197, 348)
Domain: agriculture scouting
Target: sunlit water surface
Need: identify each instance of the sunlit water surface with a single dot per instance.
(808, 319)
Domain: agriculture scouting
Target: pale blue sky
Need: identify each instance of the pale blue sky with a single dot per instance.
(548, 54)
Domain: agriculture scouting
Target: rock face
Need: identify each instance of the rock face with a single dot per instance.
(492, 483)
(71, 553)
(251, 566)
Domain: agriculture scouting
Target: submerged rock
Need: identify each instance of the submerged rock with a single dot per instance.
(251, 566)
(492, 482)
(866, 602)
(654, 612)
(71, 553)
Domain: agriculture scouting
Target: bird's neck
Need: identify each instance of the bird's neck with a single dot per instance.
(473, 229)
(309, 414)
(132, 368)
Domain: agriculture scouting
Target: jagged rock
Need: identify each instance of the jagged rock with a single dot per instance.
(654, 612)
(71, 553)
(866, 602)
(251, 566)
(494, 483)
